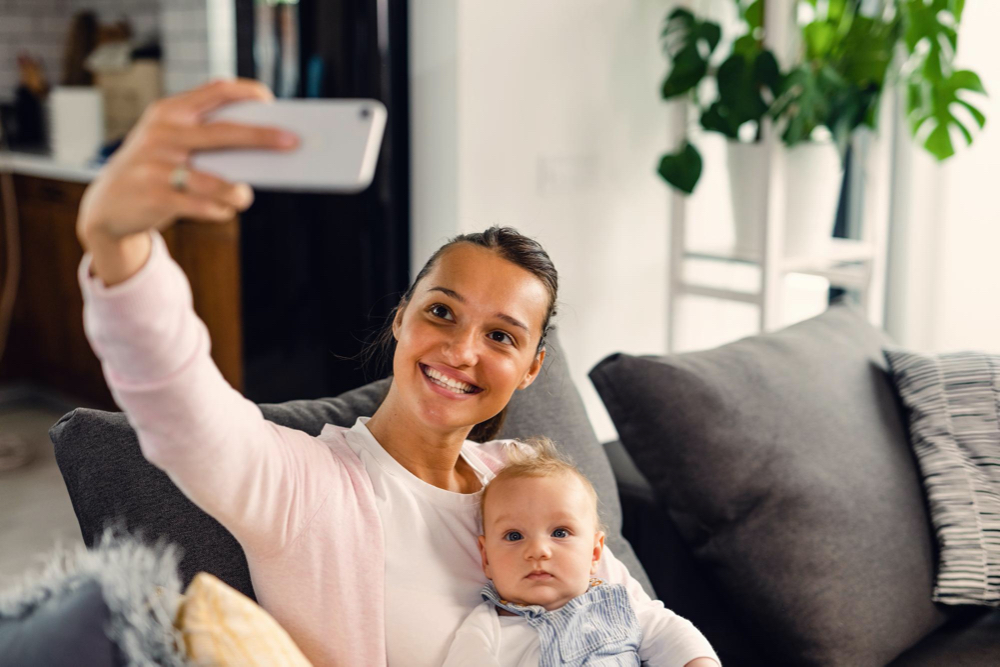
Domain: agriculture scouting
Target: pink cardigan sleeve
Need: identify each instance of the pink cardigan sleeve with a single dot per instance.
(248, 473)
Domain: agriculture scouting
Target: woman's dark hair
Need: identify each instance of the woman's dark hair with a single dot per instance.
(509, 244)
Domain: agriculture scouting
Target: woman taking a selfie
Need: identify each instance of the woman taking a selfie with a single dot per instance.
(361, 542)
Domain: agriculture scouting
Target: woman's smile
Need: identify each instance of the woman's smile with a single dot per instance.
(445, 385)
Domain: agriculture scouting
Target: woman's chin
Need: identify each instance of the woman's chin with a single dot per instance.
(445, 419)
(449, 417)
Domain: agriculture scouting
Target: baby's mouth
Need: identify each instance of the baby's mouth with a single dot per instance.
(540, 575)
(442, 380)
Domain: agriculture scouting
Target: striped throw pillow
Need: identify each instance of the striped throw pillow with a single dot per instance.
(953, 405)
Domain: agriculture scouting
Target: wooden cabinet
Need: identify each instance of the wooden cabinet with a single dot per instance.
(46, 345)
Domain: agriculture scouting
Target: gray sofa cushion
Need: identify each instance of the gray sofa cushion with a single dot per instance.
(108, 479)
(970, 639)
(953, 406)
(784, 462)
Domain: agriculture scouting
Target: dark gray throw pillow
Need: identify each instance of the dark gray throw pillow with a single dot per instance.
(109, 480)
(783, 460)
(113, 604)
(65, 630)
(953, 406)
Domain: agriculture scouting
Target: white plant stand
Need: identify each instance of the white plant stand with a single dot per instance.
(857, 264)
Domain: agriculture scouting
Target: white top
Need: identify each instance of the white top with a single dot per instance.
(519, 642)
(433, 572)
(487, 639)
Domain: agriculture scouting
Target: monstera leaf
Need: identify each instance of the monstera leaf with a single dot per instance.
(932, 103)
(682, 169)
(803, 103)
(932, 89)
(689, 43)
(865, 51)
(743, 80)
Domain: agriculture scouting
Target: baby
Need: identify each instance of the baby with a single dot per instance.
(541, 547)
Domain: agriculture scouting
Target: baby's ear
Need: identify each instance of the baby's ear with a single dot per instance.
(598, 550)
(486, 561)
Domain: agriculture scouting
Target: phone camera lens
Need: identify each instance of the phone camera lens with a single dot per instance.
(365, 112)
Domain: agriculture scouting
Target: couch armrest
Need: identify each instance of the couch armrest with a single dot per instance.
(677, 577)
(649, 528)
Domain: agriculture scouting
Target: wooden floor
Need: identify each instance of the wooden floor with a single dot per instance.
(35, 510)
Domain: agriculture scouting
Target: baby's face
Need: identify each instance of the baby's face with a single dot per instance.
(540, 544)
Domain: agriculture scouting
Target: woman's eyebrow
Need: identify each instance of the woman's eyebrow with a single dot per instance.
(461, 299)
(452, 293)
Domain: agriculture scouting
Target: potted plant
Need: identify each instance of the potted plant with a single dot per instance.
(846, 59)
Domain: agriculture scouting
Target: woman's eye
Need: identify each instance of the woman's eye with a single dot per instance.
(500, 336)
(512, 536)
(560, 532)
(437, 309)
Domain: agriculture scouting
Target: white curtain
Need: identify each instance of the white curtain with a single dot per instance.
(943, 284)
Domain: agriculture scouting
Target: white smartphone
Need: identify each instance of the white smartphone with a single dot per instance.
(338, 149)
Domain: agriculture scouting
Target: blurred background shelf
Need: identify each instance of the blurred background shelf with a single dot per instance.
(854, 261)
(847, 265)
(840, 251)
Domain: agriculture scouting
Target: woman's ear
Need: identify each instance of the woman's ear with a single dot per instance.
(397, 320)
(533, 370)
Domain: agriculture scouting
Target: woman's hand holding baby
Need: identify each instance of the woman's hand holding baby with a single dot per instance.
(138, 190)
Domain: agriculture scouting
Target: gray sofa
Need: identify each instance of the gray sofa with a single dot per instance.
(767, 488)
(778, 483)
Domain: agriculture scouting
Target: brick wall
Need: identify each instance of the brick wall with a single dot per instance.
(199, 42)
(40, 27)
(198, 36)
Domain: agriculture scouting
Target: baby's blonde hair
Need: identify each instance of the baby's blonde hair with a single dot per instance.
(537, 457)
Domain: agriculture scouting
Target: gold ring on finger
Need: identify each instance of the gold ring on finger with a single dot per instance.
(179, 178)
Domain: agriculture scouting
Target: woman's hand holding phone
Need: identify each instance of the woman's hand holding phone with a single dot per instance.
(138, 190)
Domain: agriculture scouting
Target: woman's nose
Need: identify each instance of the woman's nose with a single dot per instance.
(460, 349)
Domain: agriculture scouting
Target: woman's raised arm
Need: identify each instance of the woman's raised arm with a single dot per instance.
(258, 479)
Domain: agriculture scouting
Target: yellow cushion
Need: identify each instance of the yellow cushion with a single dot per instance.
(221, 626)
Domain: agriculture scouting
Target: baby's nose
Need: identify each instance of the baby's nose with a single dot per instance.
(539, 549)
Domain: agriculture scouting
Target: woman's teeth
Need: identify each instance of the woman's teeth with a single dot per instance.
(447, 382)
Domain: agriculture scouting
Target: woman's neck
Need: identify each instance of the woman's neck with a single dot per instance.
(430, 455)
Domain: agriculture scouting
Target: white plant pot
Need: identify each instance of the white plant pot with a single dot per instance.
(747, 182)
(813, 179)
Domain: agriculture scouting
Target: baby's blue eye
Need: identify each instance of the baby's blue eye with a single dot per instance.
(560, 532)
(513, 536)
